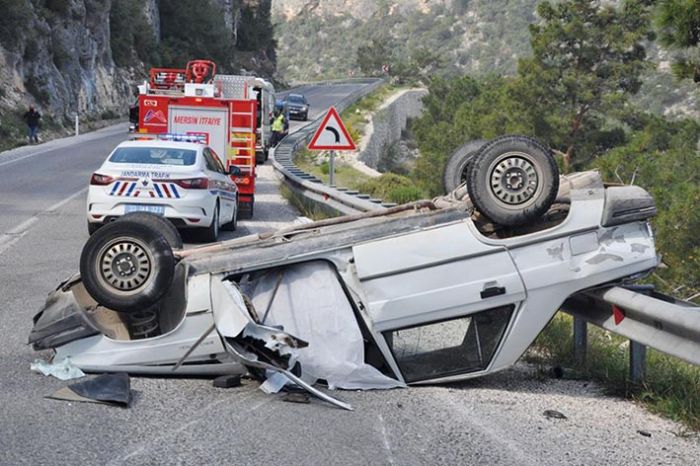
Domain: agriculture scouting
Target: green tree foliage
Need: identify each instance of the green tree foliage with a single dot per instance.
(678, 24)
(662, 156)
(130, 33)
(193, 29)
(587, 59)
(460, 110)
(392, 188)
(14, 16)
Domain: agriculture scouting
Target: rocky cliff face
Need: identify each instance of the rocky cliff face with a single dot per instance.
(59, 55)
(465, 35)
(320, 39)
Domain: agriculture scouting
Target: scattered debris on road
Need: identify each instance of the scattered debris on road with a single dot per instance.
(109, 389)
(61, 369)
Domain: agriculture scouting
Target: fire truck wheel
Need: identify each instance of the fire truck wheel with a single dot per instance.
(513, 180)
(246, 210)
(127, 266)
(159, 223)
(457, 165)
(211, 233)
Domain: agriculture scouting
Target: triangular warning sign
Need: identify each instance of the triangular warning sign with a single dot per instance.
(332, 134)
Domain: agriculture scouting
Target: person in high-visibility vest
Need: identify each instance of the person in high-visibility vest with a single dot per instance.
(278, 127)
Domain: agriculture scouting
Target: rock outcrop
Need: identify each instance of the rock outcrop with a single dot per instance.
(59, 55)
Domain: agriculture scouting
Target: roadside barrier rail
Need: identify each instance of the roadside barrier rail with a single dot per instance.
(338, 199)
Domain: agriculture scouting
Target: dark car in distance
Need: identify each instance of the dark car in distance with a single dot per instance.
(297, 106)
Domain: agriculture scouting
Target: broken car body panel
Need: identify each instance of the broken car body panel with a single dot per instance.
(436, 299)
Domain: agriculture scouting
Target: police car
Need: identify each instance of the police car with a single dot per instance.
(176, 176)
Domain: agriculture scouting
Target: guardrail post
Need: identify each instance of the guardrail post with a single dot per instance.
(580, 340)
(638, 362)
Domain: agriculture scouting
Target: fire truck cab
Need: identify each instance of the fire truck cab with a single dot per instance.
(224, 109)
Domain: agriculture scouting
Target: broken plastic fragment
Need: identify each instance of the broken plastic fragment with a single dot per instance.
(111, 389)
(62, 370)
(274, 383)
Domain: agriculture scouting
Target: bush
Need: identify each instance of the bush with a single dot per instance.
(392, 188)
(15, 15)
(130, 34)
(193, 29)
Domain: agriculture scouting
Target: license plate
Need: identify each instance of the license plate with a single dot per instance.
(154, 209)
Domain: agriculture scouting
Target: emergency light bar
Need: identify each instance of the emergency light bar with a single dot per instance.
(175, 137)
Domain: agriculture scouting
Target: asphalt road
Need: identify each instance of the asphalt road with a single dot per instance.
(494, 420)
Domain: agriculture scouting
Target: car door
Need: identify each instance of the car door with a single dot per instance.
(221, 184)
(439, 300)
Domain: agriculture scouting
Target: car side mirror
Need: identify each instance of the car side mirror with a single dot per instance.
(234, 170)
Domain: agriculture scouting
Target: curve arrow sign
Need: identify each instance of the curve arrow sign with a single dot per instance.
(332, 134)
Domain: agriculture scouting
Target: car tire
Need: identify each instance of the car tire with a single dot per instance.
(456, 168)
(260, 157)
(134, 249)
(93, 227)
(159, 223)
(513, 180)
(211, 233)
(233, 224)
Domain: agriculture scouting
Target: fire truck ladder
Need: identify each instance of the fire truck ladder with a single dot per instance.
(242, 138)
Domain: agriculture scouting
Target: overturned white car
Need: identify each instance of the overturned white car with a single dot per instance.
(420, 293)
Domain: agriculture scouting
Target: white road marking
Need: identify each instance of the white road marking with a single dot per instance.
(10, 238)
(32, 154)
(385, 438)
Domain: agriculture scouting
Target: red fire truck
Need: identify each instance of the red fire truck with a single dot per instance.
(198, 101)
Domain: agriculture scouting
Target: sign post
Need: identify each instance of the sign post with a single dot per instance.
(332, 135)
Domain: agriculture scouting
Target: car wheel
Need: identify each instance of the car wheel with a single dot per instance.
(93, 227)
(159, 223)
(513, 180)
(127, 266)
(211, 233)
(457, 165)
(233, 224)
(260, 158)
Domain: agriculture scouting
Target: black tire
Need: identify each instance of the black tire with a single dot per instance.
(260, 157)
(127, 244)
(456, 168)
(211, 233)
(158, 223)
(233, 224)
(93, 227)
(247, 210)
(513, 180)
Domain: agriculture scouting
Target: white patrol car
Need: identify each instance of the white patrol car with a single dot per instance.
(175, 176)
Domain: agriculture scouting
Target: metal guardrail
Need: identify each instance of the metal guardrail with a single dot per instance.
(646, 317)
(338, 199)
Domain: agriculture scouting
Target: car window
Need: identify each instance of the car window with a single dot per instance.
(154, 156)
(217, 161)
(296, 99)
(211, 160)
